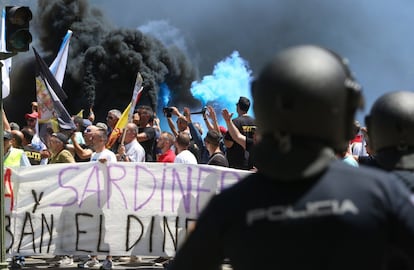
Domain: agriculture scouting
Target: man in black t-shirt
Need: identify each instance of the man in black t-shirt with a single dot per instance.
(236, 154)
(146, 133)
(212, 143)
(32, 153)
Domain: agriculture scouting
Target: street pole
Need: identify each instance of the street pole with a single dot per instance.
(3, 263)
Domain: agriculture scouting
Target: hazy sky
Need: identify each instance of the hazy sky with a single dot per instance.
(376, 36)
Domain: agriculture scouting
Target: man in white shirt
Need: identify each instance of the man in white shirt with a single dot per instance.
(131, 150)
(182, 142)
(101, 154)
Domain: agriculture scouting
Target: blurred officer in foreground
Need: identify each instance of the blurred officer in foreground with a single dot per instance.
(303, 209)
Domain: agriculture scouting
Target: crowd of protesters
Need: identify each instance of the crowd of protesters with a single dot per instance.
(141, 140)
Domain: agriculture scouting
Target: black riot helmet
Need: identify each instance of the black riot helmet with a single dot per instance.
(307, 92)
(390, 122)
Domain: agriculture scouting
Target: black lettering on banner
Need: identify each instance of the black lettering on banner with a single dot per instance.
(78, 232)
(167, 228)
(37, 201)
(100, 235)
(27, 219)
(10, 232)
(45, 224)
(151, 233)
(127, 246)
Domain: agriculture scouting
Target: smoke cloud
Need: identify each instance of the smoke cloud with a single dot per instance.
(375, 36)
(104, 60)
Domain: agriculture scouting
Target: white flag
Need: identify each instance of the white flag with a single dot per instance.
(58, 67)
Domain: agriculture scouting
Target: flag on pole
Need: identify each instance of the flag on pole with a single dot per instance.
(6, 64)
(58, 66)
(52, 114)
(127, 114)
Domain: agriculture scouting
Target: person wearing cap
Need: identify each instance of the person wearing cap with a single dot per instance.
(36, 143)
(236, 155)
(13, 157)
(212, 143)
(246, 142)
(31, 119)
(57, 148)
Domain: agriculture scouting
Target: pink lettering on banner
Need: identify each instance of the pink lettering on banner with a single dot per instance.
(136, 187)
(92, 180)
(148, 206)
(185, 192)
(68, 188)
(140, 171)
(113, 182)
(200, 189)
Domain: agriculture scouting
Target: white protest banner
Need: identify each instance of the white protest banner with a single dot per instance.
(115, 208)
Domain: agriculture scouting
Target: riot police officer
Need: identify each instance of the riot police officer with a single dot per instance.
(303, 209)
(390, 126)
(391, 131)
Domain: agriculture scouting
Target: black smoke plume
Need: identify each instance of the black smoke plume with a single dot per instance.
(103, 62)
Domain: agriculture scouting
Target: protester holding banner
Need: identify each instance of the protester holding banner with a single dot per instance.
(182, 143)
(101, 154)
(304, 208)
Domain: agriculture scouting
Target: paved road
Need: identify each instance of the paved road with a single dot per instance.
(48, 262)
(45, 262)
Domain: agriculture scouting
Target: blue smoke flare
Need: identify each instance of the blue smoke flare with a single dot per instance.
(230, 80)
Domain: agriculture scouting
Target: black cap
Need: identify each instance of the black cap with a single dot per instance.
(7, 135)
(244, 104)
(62, 137)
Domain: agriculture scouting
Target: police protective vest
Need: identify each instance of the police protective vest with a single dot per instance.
(13, 158)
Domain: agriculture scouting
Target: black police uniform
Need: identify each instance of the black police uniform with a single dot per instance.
(342, 218)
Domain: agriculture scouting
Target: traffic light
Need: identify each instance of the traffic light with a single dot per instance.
(18, 36)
